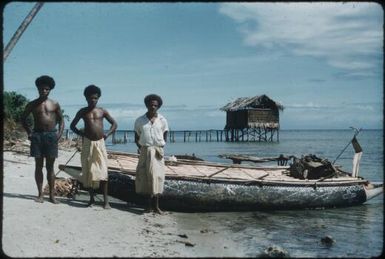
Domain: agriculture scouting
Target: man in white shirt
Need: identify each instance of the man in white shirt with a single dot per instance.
(150, 137)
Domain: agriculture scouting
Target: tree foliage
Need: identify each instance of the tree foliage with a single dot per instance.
(14, 105)
(13, 108)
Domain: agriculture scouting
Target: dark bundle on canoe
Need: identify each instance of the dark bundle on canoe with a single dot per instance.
(312, 167)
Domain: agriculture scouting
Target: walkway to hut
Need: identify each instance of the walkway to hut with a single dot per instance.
(212, 135)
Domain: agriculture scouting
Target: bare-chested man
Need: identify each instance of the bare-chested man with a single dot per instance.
(44, 136)
(94, 154)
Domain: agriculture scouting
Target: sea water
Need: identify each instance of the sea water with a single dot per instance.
(357, 231)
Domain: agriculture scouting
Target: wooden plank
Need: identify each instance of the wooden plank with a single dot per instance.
(220, 171)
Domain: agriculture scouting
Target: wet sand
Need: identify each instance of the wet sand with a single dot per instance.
(70, 229)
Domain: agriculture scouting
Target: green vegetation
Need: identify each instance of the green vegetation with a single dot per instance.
(14, 105)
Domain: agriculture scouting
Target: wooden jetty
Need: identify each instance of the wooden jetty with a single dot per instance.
(260, 134)
(211, 135)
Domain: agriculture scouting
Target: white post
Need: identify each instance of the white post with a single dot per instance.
(356, 164)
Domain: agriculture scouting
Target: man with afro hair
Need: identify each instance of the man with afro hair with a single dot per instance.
(94, 153)
(44, 136)
(150, 137)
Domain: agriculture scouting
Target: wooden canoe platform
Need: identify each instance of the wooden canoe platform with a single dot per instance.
(188, 169)
(192, 185)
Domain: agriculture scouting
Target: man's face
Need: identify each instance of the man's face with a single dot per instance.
(44, 91)
(92, 100)
(153, 106)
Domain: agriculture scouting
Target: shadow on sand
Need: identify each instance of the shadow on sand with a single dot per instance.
(81, 201)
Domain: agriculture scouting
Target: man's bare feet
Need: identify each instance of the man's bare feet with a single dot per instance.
(53, 200)
(39, 199)
(107, 206)
(148, 210)
(157, 210)
(91, 203)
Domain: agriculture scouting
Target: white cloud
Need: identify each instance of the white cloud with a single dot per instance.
(126, 113)
(347, 35)
(344, 107)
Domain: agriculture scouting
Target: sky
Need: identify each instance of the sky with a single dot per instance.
(322, 61)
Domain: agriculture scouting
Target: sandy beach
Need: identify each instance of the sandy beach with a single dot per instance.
(70, 229)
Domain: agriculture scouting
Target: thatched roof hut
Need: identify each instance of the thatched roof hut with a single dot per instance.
(252, 112)
(256, 102)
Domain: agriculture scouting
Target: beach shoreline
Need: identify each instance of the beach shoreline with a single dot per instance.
(70, 229)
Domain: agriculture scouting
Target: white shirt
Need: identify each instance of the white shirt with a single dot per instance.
(151, 134)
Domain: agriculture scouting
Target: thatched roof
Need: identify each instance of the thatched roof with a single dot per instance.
(256, 102)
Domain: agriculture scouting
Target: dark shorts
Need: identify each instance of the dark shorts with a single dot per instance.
(44, 144)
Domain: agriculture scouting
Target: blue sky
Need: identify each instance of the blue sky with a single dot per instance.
(322, 61)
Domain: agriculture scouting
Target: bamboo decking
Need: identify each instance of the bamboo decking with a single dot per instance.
(203, 170)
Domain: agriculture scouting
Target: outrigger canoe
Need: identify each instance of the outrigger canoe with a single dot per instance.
(192, 185)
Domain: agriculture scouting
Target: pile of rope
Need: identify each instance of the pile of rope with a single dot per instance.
(64, 187)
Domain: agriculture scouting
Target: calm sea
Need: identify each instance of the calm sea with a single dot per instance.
(357, 231)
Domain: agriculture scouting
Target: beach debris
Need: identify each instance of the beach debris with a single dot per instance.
(274, 252)
(158, 225)
(17, 146)
(203, 231)
(183, 236)
(64, 187)
(327, 240)
(69, 144)
(186, 243)
(148, 231)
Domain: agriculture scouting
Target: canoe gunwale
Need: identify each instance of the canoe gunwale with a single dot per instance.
(203, 163)
(261, 182)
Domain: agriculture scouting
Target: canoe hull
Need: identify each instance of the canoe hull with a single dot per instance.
(192, 195)
(187, 195)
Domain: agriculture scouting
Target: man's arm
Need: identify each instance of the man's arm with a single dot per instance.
(24, 116)
(137, 140)
(60, 119)
(165, 128)
(75, 121)
(113, 123)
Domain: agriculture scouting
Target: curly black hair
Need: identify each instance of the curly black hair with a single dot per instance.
(92, 89)
(45, 81)
(151, 97)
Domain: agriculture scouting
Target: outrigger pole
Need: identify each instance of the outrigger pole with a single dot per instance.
(21, 29)
(356, 132)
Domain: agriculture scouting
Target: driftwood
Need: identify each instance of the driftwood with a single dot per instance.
(189, 157)
(64, 187)
(17, 146)
(238, 158)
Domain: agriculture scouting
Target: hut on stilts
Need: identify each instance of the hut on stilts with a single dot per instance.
(252, 119)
